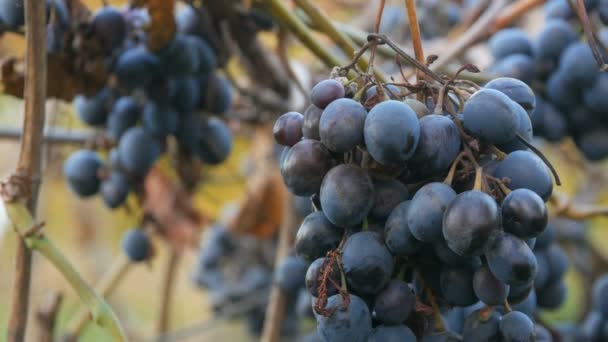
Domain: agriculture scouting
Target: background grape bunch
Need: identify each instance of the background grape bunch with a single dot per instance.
(563, 72)
(153, 102)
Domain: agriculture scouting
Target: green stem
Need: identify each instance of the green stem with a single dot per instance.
(343, 41)
(302, 32)
(101, 312)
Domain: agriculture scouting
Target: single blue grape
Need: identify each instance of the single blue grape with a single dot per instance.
(81, 172)
(136, 245)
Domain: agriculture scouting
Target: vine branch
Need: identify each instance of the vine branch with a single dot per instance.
(30, 156)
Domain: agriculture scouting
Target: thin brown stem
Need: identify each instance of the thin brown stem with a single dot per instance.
(383, 39)
(513, 12)
(375, 46)
(478, 179)
(412, 17)
(29, 164)
(583, 17)
(277, 301)
(47, 316)
(164, 317)
(450, 177)
(473, 34)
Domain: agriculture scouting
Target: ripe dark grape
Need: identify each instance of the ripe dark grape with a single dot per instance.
(287, 130)
(110, 27)
(515, 326)
(490, 116)
(180, 57)
(548, 122)
(310, 127)
(302, 205)
(391, 132)
(554, 38)
(93, 110)
(398, 237)
(558, 9)
(578, 65)
(546, 238)
(511, 260)
(447, 256)
(387, 195)
(316, 236)
(138, 151)
(471, 223)
(518, 66)
(135, 67)
(542, 334)
(367, 263)
(521, 293)
(516, 90)
(136, 245)
(526, 306)
(524, 213)
(590, 328)
(508, 42)
(525, 170)
(81, 171)
(488, 288)
(304, 167)
(594, 144)
(115, 189)
(552, 296)
(159, 120)
(124, 115)
(395, 303)
(352, 323)
(438, 145)
(558, 262)
(326, 91)
(418, 107)
(216, 94)
(524, 129)
(206, 61)
(481, 326)
(214, 141)
(396, 333)
(457, 286)
(186, 95)
(341, 125)
(12, 13)
(347, 195)
(425, 217)
(290, 275)
(313, 280)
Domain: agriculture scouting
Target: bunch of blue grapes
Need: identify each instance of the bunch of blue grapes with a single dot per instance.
(421, 208)
(559, 65)
(151, 101)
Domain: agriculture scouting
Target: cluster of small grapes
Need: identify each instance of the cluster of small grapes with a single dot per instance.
(564, 73)
(151, 100)
(387, 230)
